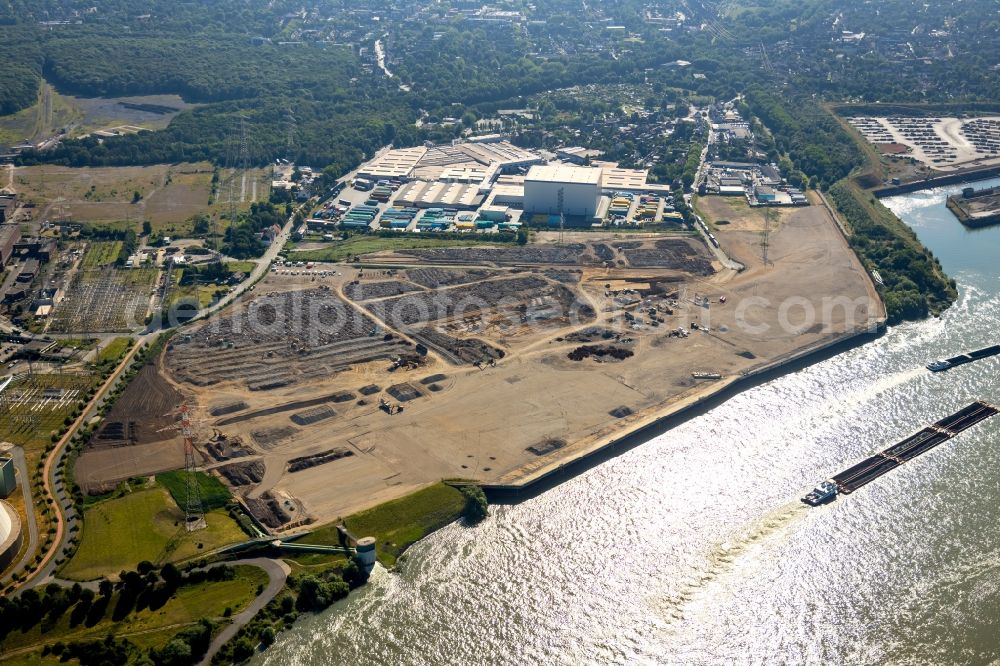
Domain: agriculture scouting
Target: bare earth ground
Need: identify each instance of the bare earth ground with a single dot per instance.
(77, 116)
(99, 470)
(739, 215)
(479, 423)
(125, 446)
(101, 113)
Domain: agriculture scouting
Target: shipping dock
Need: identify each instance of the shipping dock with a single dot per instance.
(962, 359)
(871, 468)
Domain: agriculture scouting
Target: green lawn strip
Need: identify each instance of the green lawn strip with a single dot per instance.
(400, 523)
(358, 245)
(78, 343)
(144, 525)
(101, 253)
(114, 351)
(151, 628)
(313, 564)
(213, 493)
(241, 266)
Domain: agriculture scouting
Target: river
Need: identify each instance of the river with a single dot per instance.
(694, 548)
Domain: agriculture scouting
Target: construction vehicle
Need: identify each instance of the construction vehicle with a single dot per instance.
(389, 408)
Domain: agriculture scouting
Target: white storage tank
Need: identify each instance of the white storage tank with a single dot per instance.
(10, 534)
(8, 483)
(366, 552)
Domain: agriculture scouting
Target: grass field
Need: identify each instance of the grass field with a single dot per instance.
(214, 494)
(82, 115)
(19, 126)
(205, 293)
(170, 194)
(359, 245)
(241, 266)
(144, 525)
(735, 214)
(149, 628)
(32, 124)
(101, 253)
(400, 523)
(113, 352)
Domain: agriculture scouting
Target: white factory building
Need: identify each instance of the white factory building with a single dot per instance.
(472, 176)
(573, 189)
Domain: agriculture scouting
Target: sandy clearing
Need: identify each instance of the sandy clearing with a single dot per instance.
(479, 425)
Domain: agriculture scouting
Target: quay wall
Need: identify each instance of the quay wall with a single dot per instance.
(965, 176)
(673, 414)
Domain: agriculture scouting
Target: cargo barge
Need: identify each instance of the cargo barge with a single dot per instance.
(962, 359)
(921, 442)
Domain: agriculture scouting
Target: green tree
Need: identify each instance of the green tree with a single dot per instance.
(175, 653)
(476, 507)
(200, 224)
(243, 650)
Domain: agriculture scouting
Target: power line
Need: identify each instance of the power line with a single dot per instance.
(194, 513)
(291, 130)
(765, 240)
(238, 164)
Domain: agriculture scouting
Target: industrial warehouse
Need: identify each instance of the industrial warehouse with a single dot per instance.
(491, 186)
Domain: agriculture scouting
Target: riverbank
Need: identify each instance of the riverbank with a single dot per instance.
(661, 420)
(694, 547)
(646, 341)
(911, 281)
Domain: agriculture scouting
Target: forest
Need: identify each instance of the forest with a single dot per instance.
(913, 282)
(810, 137)
(304, 81)
(305, 84)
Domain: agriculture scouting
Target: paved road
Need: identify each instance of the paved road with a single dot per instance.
(66, 514)
(22, 469)
(277, 573)
(723, 258)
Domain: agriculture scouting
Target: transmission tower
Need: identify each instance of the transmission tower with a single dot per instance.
(765, 236)
(194, 513)
(238, 163)
(291, 128)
